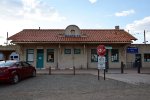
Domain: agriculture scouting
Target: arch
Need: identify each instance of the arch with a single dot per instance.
(72, 30)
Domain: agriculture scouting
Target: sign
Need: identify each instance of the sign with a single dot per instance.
(101, 62)
(108, 47)
(101, 50)
(132, 50)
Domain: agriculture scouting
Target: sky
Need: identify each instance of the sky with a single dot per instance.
(131, 15)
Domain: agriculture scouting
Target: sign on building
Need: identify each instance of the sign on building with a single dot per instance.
(132, 50)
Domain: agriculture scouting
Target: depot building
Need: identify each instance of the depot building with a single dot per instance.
(65, 48)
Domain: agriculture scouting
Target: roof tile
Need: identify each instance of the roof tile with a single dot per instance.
(54, 35)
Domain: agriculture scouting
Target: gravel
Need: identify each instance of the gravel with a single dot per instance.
(70, 87)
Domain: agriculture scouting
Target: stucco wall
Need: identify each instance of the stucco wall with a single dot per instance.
(142, 49)
(82, 60)
(122, 57)
(70, 60)
(61, 60)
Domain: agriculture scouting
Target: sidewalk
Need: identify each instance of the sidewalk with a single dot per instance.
(129, 76)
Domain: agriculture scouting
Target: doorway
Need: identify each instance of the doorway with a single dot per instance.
(138, 60)
(40, 58)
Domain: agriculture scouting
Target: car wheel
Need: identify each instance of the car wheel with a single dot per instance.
(34, 73)
(15, 79)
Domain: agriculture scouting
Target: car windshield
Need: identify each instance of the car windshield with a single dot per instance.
(6, 63)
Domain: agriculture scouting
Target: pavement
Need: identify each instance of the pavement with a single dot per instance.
(129, 76)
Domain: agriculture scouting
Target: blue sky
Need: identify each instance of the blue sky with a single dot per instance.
(132, 15)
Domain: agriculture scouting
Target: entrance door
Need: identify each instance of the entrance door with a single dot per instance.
(40, 58)
(138, 60)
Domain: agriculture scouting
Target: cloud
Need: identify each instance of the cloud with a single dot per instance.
(16, 15)
(34, 10)
(124, 13)
(137, 28)
(139, 25)
(93, 1)
(1, 37)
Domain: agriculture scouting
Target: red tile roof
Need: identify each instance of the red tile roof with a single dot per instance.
(88, 35)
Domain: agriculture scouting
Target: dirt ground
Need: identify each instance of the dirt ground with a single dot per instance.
(73, 87)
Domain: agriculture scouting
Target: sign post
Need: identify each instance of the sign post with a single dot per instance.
(101, 50)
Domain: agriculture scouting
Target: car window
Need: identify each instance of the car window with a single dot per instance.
(18, 64)
(25, 64)
(6, 63)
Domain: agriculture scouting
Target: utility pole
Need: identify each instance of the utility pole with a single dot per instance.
(145, 38)
(6, 40)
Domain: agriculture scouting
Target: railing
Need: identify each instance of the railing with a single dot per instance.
(130, 65)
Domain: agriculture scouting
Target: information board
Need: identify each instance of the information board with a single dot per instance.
(101, 62)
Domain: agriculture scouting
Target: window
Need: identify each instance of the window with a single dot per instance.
(50, 55)
(147, 57)
(94, 56)
(72, 32)
(25, 64)
(15, 56)
(18, 64)
(11, 57)
(115, 55)
(77, 51)
(67, 51)
(30, 55)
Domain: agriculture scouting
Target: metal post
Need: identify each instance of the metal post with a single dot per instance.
(139, 68)
(73, 70)
(98, 73)
(50, 70)
(104, 74)
(122, 68)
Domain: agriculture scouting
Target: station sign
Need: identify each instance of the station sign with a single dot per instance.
(132, 50)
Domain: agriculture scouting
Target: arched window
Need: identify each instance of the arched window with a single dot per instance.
(72, 32)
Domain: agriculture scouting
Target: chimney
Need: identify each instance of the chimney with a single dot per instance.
(39, 28)
(117, 27)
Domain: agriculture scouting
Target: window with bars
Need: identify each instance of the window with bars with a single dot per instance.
(77, 51)
(50, 55)
(115, 55)
(147, 57)
(94, 56)
(67, 51)
(30, 55)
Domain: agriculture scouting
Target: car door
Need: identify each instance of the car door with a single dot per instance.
(27, 68)
(21, 70)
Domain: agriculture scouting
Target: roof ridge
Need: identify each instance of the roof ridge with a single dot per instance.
(42, 29)
(80, 29)
(104, 29)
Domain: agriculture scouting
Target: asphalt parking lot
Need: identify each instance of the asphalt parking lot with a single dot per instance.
(73, 87)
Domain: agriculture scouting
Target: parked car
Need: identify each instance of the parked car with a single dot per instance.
(13, 71)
